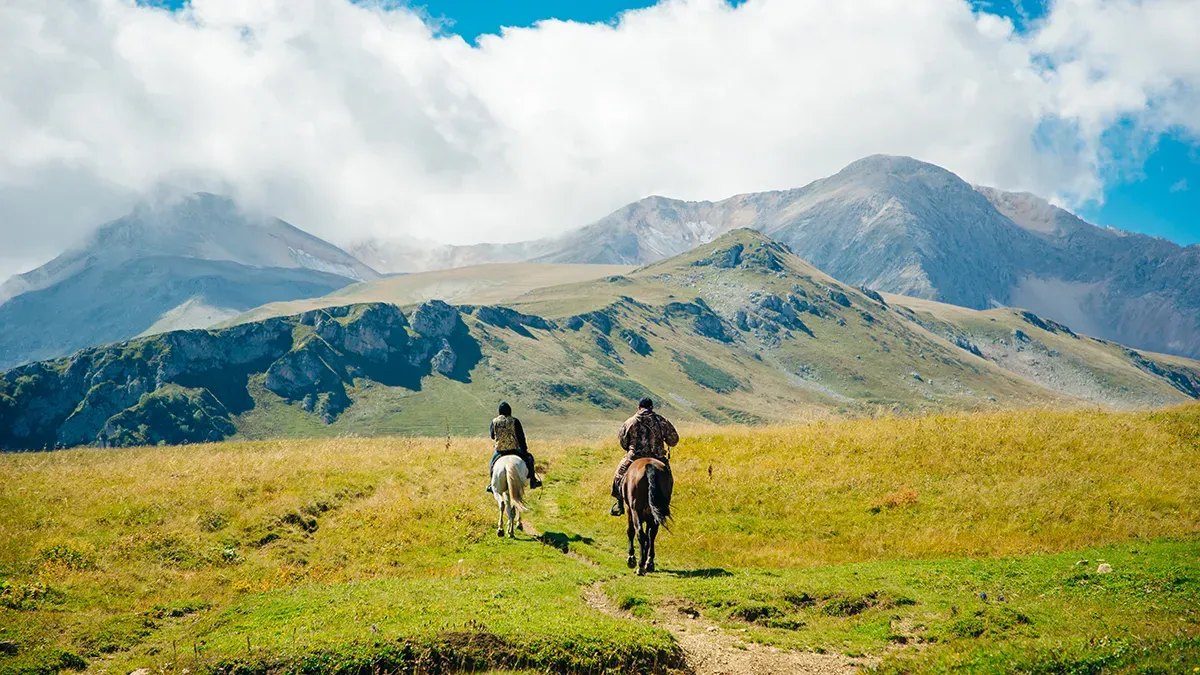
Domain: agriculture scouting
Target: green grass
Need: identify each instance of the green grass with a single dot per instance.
(706, 375)
(865, 537)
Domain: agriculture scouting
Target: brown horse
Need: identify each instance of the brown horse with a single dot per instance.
(646, 489)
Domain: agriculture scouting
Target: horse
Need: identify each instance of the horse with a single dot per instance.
(509, 478)
(646, 489)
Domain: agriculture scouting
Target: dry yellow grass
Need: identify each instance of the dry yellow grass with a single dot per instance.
(276, 535)
(986, 484)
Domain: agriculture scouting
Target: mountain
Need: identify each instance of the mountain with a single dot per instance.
(736, 331)
(183, 264)
(898, 225)
(645, 231)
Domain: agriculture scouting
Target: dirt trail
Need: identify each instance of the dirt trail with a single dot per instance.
(709, 650)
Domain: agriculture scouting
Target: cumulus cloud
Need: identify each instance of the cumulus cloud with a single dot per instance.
(360, 120)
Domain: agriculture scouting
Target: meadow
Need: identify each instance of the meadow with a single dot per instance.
(951, 543)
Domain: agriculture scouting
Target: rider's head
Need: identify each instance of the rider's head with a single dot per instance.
(646, 404)
(505, 409)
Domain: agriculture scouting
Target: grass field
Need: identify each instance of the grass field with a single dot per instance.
(963, 543)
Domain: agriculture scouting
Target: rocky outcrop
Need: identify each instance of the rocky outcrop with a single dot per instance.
(307, 370)
(761, 256)
(504, 317)
(445, 359)
(963, 343)
(636, 342)
(191, 385)
(172, 415)
(1046, 324)
(872, 295)
(838, 298)
(771, 314)
(376, 333)
(602, 320)
(1185, 380)
(705, 322)
(102, 402)
(435, 319)
(725, 258)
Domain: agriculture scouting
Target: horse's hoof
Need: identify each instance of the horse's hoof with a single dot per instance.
(641, 573)
(511, 535)
(631, 562)
(500, 532)
(650, 568)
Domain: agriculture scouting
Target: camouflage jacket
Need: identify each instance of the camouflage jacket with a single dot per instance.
(648, 434)
(507, 433)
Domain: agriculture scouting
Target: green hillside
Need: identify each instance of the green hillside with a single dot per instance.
(968, 543)
(738, 331)
(1058, 358)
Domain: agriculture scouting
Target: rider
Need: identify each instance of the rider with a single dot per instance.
(510, 440)
(646, 434)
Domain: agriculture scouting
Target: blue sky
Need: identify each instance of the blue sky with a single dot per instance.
(1153, 187)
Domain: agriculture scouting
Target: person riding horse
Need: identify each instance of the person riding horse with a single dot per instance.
(646, 434)
(509, 439)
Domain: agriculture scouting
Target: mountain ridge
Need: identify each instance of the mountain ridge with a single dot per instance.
(897, 224)
(739, 330)
(155, 266)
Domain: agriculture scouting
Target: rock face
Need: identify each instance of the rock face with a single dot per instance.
(189, 386)
(636, 342)
(602, 320)
(705, 322)
(435, 319)
(505, 317)
(445, 359)
(770, 315)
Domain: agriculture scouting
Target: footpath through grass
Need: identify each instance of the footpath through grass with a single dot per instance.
(940, 544)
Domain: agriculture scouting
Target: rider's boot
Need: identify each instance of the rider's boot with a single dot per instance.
(534, 482)
(489, 487)
(618, 509)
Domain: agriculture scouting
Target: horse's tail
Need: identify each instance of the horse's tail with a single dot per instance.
(659, 489)
(516, 486)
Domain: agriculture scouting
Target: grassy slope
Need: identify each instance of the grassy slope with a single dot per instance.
(477, 284)
(849, 364)
(850, 536)
(864, 359)
(1077, 366)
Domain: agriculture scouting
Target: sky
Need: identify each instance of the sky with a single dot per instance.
(460, 121)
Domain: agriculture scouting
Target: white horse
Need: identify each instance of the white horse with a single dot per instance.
(509, 477)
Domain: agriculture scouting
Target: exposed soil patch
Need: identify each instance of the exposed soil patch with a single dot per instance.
(709, 650)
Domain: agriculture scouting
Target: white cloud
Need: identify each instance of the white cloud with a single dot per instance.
(1180, 185)
(353, 120)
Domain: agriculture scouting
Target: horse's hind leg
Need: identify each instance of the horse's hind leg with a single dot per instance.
(512, 520)
(644, 547)
(652, 536)
(500, 520)
(632, 531)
